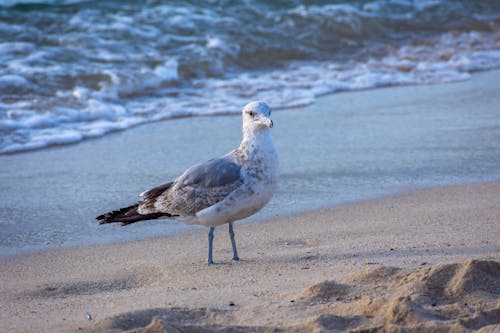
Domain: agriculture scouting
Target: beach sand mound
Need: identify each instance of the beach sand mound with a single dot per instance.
(376, 274)
(445, 298)
(461, 297)
(325, 291)
(454, 281)
(179, 320)
(161, 319)
(201, 320)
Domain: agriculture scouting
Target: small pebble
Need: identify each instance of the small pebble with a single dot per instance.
(89, 316)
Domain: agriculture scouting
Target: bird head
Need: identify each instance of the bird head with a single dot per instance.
(256, 116)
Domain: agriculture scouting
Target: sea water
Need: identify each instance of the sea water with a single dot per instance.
(71, 70)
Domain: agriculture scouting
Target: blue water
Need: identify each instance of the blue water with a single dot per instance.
(72, 70)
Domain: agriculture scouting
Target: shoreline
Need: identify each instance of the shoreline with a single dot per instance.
(345, 148)
(237, 114)
(327, 95)
(166, 281)
(199, 230)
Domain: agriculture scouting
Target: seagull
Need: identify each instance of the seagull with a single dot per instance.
(219, 191)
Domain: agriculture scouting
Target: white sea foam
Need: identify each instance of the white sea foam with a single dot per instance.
(108, 70)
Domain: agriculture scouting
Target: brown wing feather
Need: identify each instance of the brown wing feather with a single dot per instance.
(127, 216)
(148, 198)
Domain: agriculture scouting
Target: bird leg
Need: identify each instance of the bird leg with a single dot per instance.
(233, 242)
(210, 243)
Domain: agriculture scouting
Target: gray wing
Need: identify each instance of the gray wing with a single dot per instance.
(199, 187)
(213, 173)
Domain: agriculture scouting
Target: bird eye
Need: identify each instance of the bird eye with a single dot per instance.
(251, 113)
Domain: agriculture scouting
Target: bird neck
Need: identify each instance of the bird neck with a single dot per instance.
(256, 135)
(256, 141)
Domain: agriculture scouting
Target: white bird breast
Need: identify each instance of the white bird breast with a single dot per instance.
(260, 176)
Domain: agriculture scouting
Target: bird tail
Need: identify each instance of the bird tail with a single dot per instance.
(128, 215)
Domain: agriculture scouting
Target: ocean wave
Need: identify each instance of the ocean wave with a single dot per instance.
(12, 3)
(81, 71)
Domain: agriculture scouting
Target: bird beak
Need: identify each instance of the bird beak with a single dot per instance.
(268, 122)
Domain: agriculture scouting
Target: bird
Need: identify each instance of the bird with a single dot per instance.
(219, 191)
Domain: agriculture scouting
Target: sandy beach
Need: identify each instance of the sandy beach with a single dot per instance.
(426, 260)
(423, 260)
(386, 122)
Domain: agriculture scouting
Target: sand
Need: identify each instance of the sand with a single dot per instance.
(418, 256)
(426, 260)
